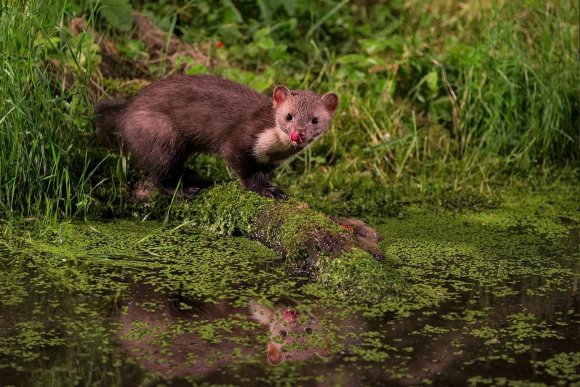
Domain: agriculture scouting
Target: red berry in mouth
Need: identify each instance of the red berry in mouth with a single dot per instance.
(295, 137)
(290, 315)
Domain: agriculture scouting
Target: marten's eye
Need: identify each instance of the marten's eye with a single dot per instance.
(283, 333)
(308, 330)
(288, 117)
(314, 121)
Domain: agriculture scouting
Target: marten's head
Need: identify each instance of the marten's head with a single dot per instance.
(303, 115)
(293, 335)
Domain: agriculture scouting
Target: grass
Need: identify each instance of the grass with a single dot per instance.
(436, 97)
(43, 120)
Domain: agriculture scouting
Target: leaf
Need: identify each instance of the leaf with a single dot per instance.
(432, 80)
(373, 46)
(259, 82)
(132, 48)
(197, 68)
(117, 13)
(352, 58)
(266, 44)
(290, 7)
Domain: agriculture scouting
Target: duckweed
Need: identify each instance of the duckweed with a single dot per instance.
(482, 297)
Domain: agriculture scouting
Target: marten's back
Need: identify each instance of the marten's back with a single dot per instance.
(217, 100)
(177, 91)
(205, 111)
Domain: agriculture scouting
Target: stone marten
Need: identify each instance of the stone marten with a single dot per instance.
(170, 119)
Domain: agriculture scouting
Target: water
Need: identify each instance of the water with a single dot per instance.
(487, 298)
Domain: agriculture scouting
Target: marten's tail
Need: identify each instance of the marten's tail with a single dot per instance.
(107, 115)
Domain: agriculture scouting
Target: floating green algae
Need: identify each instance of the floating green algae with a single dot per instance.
(475, 297)
(504, 281)
(491, 251)
(563, 367)
(67, 286)
(181, 258)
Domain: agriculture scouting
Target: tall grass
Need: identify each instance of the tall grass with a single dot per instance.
(519, 92)
(458, 99)
(498, 92)
(433, 93)
(43, 116)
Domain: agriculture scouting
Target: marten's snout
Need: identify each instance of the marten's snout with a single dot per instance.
(308, 136)
(302, 135)
(296, 137)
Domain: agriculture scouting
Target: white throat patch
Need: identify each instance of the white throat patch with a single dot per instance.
(269, 142)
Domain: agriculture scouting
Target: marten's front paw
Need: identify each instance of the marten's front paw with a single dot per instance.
(274, 193)
(191, 192)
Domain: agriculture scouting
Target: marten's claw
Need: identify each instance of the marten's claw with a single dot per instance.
(191, 192)
(274, 193)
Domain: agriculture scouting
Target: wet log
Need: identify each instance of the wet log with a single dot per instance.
(341, 254)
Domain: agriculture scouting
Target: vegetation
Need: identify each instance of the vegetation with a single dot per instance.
(484, 297)
(435, 98)
(457, 137)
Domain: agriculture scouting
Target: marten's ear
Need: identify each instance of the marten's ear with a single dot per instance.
(330, 102)
(260, 313)
(281, 92)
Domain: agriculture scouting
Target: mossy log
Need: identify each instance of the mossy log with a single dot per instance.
(310, 242)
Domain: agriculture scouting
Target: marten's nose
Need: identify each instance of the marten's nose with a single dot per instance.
(296, 137)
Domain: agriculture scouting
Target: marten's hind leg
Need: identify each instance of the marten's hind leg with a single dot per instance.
(168, 174)
(157, 147)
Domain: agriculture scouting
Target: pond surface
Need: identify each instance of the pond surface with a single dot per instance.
(485, 298)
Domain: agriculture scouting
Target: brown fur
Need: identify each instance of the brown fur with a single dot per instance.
(175, 117)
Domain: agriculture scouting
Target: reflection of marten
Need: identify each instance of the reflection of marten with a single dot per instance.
(173, 338)
(293, 335)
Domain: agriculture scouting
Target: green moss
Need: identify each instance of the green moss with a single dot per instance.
(190, 261)
(291, 225)
(344, 190)
(225, 209)
(300, 234)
